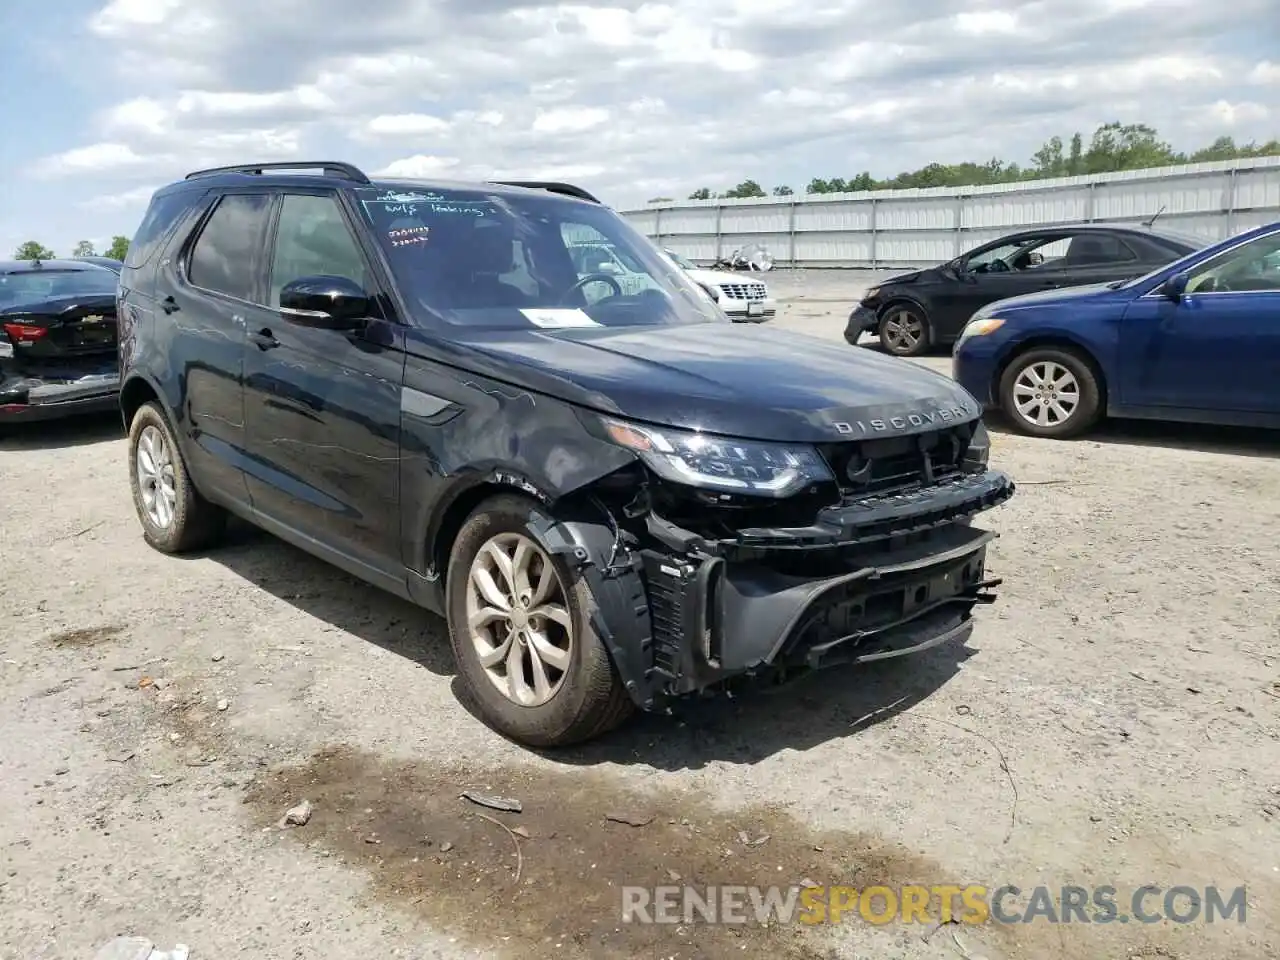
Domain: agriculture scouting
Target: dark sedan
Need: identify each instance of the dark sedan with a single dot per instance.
(57, 339)
(928, 308)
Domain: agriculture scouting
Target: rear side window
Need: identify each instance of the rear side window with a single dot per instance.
(1100, 248)
(161, 215)
(225, 253)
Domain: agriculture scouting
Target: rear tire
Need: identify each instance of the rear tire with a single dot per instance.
(1051, 392)
(174, 517)
(535, 667)
(904, 330)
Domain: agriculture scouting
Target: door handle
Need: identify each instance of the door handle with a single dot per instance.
(264, 339)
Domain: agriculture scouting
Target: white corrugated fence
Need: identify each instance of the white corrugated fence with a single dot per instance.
(899, 228)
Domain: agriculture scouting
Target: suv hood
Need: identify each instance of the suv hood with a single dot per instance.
(753, 382)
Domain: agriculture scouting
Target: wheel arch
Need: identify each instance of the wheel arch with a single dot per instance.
(1055, 341)
(136, 391)
(442, 532)
(898, 299)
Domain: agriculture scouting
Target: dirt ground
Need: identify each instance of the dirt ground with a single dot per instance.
(1114, 721)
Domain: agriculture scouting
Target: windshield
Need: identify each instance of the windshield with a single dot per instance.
(31, 286)
(507, 260)
(681, 261)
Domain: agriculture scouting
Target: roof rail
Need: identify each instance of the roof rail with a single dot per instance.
(330, 168)
(567, 189)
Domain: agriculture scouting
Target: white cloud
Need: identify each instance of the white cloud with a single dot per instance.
(95, 158)
(420, 167)
(135, 199)
(1265, 72)
(639, 98)
(977, 23)
(405, 125)
(570, 119)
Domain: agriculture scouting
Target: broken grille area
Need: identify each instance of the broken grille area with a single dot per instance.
(897, 463)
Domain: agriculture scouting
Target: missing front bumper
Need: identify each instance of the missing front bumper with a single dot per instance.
(714, 620)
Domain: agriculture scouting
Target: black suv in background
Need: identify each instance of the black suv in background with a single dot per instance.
(614, 502)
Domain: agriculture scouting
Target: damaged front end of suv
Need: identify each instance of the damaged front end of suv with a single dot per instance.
(715, 560)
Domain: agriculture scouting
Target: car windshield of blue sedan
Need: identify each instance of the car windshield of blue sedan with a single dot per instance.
(506, 259)
(32, 286)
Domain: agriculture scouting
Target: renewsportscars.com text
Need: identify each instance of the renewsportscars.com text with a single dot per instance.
(969, 904)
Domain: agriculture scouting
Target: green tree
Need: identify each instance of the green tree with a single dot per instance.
(1118, 146)
(1075, 159)
(84, 249)
(783, 191)
(747, 188)
(33, 250)
(662, 200)
(702, 193)
(119, 248)
(1113, 146)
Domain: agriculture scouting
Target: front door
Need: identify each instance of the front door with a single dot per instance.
(987, 274)
(323, 406)
(1217, 348)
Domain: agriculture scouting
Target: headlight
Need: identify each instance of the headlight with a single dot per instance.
(722, 463)
(871, 294)
(979, 328)
(978, 455)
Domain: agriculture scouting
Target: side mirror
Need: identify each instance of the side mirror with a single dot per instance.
(327, 303)
(1176, 286)
(608, 266)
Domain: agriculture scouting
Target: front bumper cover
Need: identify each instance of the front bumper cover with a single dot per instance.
(861, 320)
(695, 615)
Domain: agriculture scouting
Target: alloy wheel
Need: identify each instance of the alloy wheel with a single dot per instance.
(903, 331)
(518, 619)
(1046, 394)
(156, 477)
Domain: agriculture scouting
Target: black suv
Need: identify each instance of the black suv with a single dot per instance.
(616, 499)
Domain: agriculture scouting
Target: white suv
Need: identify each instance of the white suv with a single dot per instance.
(740, 295)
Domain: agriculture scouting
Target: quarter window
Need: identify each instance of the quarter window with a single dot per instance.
(312, 240)
(224, 255)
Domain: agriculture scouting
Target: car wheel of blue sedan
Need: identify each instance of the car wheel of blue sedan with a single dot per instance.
(1051, 392)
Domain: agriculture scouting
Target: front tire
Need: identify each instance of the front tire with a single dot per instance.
(904, 330)
(520, 626)
(174, 517)
(1051, 392)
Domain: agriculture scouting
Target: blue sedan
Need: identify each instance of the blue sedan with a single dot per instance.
(1195, 341)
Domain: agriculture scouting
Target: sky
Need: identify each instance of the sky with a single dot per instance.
(105, 101)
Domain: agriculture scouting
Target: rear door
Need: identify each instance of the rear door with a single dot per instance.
(323, 406)
(205, 296)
